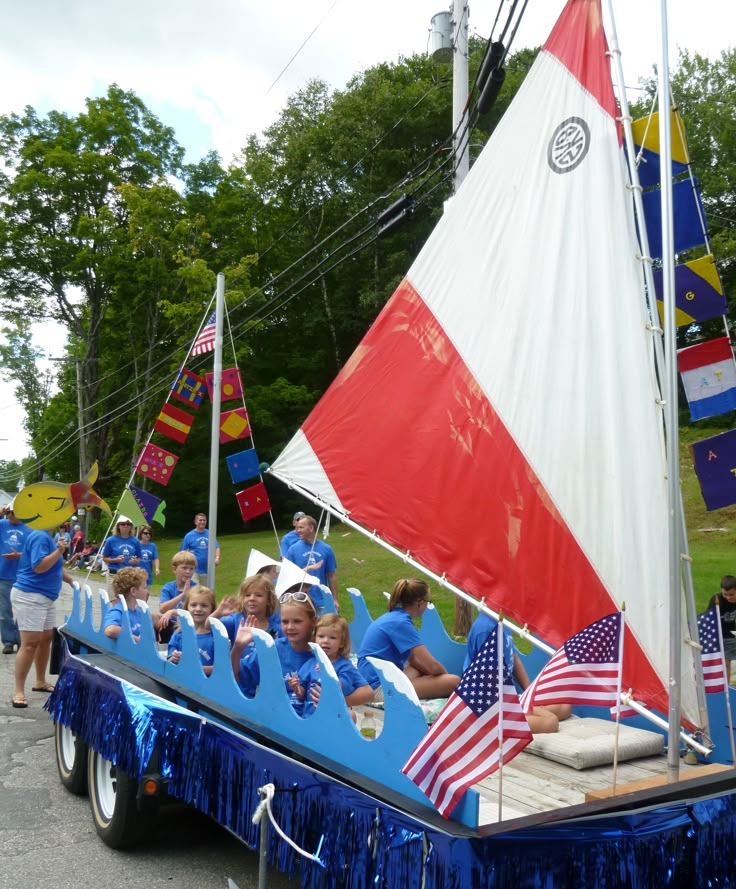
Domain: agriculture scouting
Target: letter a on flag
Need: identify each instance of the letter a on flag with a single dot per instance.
(253, 501)
(709, 376)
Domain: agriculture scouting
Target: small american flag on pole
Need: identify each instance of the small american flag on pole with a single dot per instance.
(714, 668)
(464, 744)
(205, 342)
(584, 671)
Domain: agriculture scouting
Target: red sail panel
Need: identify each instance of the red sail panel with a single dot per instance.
(441, 500)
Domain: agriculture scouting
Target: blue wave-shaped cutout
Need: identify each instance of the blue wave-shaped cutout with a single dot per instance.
(329, 733)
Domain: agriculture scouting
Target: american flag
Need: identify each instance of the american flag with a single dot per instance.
(205, 342)
(464, 744)
(714, 668)
(584, 671)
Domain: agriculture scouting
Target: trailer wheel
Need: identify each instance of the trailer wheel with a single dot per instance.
(71, 759)
(118, 819)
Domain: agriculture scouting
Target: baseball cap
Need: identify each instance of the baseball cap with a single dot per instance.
(299, 515)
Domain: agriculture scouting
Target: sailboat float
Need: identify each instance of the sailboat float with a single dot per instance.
(518, 396)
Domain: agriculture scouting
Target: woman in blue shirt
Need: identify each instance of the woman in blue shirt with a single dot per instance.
(393, 637)
(149, 553)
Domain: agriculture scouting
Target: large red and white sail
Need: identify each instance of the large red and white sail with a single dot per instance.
(500, 420)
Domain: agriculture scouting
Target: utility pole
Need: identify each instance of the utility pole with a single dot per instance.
(460, 128)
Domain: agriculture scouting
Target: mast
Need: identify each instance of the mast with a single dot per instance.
(215, 432)
(670, 389)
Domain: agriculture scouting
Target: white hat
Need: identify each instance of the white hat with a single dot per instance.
(290, 575)
(124, 520)
(258, 560)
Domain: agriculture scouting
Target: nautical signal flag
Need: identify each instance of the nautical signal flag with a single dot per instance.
(151, 506)
(174, 423)
(714, 667)
(699, 292)
(234, 425)
(689, 217)
(480, 728)
(709, 376)
(205, 342)
(156, 463)
(231, 385)
(243, 465)
(714, 460)
(189, 387)
(253, 501)
(646, 139)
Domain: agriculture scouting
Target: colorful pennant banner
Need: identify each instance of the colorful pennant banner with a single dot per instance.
(156, 463)
(253, 501)
(231, 384)
(234, 425)
(174, 423)
(699, 293)
(714, 460)
(243, 465)
(689, 217)
(646, 138)
(189, 388)
(709, 376)
(151, 506)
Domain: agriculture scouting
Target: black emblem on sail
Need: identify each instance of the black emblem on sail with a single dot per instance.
(569, 145)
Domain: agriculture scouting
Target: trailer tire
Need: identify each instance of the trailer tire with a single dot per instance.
(113, 795)
(71, 759)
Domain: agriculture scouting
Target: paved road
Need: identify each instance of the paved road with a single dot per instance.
(47, 837)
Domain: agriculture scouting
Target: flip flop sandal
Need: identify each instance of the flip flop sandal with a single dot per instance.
(19, 703)
(46, 689)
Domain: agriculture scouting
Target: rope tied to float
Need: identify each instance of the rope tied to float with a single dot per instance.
(266, 793)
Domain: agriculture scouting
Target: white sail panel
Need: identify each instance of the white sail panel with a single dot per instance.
(500, 418)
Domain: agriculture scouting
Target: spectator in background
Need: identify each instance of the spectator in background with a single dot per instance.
(12, 538)
(314, 556)
(291, 537)
(121, 549)
(149, 553)
(197, 541)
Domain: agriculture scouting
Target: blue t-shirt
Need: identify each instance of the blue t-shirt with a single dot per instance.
(197, 542)
(205, 644)
(170, 591)
(305, 554)
(391, 637)
(311, 674)
(115, 546)
(231, 622)
(38, 545)
(480, 630)
(287, 540)
(114, 618)
(12, 539)
(149, 552)
(292, 661)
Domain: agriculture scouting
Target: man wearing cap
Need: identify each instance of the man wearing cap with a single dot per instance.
(197, 541)
(12, 538)
(314, 556)
(122, 549)
(291, 537)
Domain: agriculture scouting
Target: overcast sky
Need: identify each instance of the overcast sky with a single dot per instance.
(208, 69)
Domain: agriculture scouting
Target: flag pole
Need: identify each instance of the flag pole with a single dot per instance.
(726, 686)
(499, 675)
(619, 681)
(215, 432)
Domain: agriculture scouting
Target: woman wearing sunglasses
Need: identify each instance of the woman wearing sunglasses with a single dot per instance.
(149, 554)
(393, 637)
(298, 620)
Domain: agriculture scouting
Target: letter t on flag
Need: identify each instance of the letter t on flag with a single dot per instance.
(253, 501)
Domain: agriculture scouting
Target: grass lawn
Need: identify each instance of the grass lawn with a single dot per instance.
(372, 569)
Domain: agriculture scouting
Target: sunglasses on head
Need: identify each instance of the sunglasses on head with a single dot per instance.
(297, 596)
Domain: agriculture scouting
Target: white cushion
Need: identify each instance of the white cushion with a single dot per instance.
(588, 742)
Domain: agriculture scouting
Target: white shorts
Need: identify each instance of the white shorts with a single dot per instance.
(33, 611)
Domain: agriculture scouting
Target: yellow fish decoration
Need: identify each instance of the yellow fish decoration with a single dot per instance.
(44, 505)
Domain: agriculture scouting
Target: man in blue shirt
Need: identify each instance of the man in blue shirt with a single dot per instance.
(314, 555)
(197, 541)
(291, 537)
(12, 538)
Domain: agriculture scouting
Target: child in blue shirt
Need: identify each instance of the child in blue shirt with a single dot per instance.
(129, 584)
(333, 637)
(256, 598)
(298, 620)
(200, 603)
